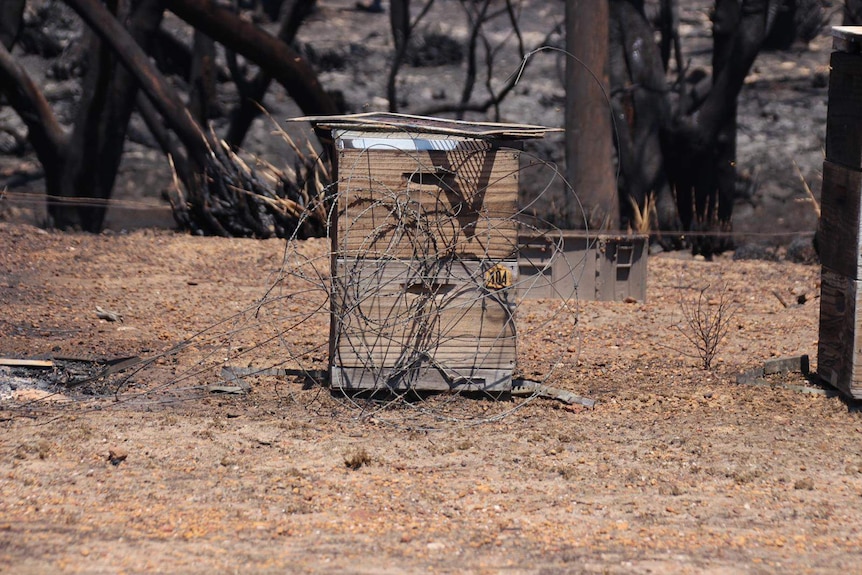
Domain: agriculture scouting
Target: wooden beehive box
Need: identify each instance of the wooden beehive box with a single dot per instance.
(395, 203)
(839, 349)
(424, 325)
(573, 263)
(424, 245)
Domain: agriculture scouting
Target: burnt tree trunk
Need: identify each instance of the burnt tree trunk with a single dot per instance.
(723, 160)
(106, 105)
(202, 80)
(222, 196)
(11, 18)
(589, 146)
(703, 174)
(641, 109)
(852, 13)
(701, 141)
(252, 92)
(399, 23)
(198, 146)
(136, 61)
(45, 134)
(476, 20)
(670, 40)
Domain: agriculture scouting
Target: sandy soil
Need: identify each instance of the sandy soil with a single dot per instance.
(675, 470)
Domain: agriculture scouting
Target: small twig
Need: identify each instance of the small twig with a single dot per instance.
(780, 299)
(808, 191)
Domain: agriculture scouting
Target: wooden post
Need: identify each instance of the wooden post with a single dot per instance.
(839, 351)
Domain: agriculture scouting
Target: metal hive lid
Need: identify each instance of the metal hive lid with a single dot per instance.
(392, 122)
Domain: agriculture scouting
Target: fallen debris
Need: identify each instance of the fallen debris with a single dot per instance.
(310, 377)
(33, 363)
(779, 298)
(108, 315)
(522, 388)
(78, 371)
(33, 377)
(794, 364)
(117, 456)
(232, 383)
(786, 365)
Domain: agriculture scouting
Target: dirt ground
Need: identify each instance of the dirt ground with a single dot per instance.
(675, 470)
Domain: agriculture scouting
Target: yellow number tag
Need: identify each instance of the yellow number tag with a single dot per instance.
(498, 277)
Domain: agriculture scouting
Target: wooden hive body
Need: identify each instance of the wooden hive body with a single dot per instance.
(454, 203)
(422, 325)
(424, 247)
(575, 263)
(839, 349)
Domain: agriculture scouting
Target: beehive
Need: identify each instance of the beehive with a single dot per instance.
(839, 349)
(590, 266)
(424, 245)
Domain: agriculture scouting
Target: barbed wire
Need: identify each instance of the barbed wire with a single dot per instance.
(407, 299)
(26, 198)
(421, 308)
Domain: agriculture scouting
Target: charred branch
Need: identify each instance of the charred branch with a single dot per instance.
(253, 91)
(699, 130)
(402, 30)
(11, 19)
(496, 97)
(220, 194)
(48, 138)
(203, 104)
(476, 21)
(100, 130)
(174, 57)
(265, 50)
(164, 98)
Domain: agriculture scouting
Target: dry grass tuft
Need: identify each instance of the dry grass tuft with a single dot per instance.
(645, 217)
(357, 458)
